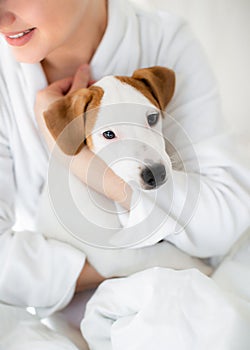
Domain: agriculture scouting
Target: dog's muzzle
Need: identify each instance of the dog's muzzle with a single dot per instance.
(154, 176)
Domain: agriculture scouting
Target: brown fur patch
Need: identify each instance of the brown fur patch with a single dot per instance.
(140, 86)
(66, 118)
(157, 84)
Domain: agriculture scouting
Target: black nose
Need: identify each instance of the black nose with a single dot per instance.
(154, 175)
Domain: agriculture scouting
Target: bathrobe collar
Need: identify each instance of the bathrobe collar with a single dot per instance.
(116, 42)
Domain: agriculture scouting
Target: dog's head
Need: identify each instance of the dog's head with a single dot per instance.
(120, 119)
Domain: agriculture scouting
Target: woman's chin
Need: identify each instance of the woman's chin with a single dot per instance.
(28, 56)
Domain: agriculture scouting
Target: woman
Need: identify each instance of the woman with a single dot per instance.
(47, 47)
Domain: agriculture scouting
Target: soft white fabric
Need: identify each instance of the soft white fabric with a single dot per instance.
(234, 273)
(21, 331)
(174, 309)
(114, 302)
(41, 272)
(166, 309)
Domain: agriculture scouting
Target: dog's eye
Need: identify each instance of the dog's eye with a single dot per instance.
(153, 118)
(109, 134)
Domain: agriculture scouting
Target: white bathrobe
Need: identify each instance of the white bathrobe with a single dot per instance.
(43, 273)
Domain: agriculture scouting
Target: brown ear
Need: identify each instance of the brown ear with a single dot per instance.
(160, 81)
(65, 120)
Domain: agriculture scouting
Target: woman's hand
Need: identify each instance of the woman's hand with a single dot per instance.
(89, 278)
(94, 172)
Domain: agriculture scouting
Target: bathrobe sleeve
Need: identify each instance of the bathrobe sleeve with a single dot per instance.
(34, 271)
(204, 206)
(215, 198)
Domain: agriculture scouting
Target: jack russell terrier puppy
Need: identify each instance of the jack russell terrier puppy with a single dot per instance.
(120, 119)
(114, 110)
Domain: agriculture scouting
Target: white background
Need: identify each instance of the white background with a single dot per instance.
(223, 28)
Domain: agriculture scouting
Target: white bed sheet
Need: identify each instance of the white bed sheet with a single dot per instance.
(162, 309)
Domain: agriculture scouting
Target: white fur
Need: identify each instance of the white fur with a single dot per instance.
(124, 110)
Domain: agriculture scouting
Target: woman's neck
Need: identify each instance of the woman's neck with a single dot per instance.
(79, 48)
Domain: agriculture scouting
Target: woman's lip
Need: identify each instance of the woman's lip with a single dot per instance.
(15, 33)
(21, 40)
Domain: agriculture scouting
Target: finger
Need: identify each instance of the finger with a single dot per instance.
(50, 94)
(61, 87)
(91, 82)
(81, 78)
